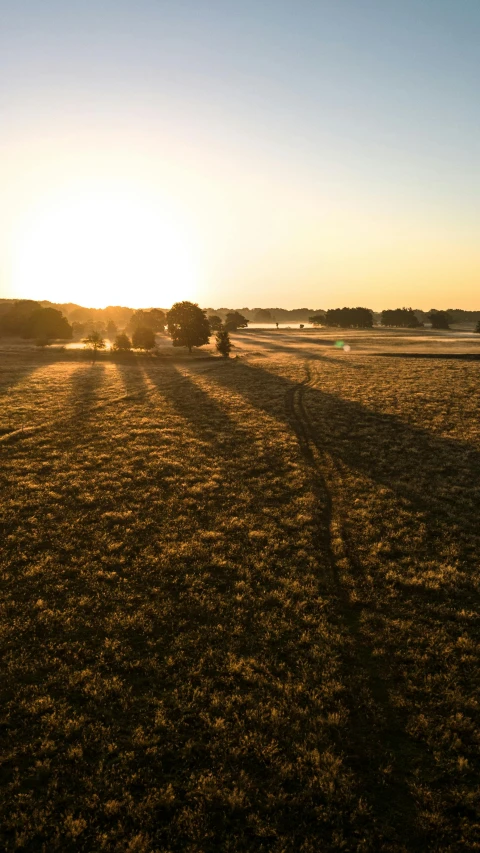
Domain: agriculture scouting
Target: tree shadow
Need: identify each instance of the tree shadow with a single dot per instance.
(452, 356)
(207, 419)
(19, 370)
(354, 434)
(132, 375)
(85, 383)
(336, 435)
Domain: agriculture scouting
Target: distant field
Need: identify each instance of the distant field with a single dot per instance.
(240, 599)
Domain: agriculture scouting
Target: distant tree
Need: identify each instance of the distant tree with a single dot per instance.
(81, 315)
(234, 320)
(477, 327)
(15, 316)
(78, 329)
(95, 342)
(188, 325)
(223, 343)
(440, 319)
(263, 315)
(154, 319)
(215, 323)
(317, 319)
(348, 318)
(111, 330)
(122, 343)
(401, 317)
(143, 338)
(47, 323)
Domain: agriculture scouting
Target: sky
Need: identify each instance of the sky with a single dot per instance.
(254, 153)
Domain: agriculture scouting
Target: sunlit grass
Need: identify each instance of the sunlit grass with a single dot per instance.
(239, 606)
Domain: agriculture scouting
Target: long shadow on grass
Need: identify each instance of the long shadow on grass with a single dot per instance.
(435, 475)
(207, 419)
(133, 377)
(17, 370)
(85, 383)
(241, 490)
(451, 356)
(432, 475)
(225, 437)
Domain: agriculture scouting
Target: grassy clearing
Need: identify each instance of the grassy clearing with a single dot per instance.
(240, 602)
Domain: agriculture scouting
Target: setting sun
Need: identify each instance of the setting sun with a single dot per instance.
(104, 245)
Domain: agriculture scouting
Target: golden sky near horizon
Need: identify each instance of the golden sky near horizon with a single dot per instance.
(199, 173)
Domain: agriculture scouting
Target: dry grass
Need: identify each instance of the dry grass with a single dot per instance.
(240, 601)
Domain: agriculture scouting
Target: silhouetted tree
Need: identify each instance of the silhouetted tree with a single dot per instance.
(401, 317)
(111, 330)
(317, 319)
(348, 318)
(122, 343)
(15, 316)
(143, 338)
(154, 319)
(95, 342)
(477, 327)
(188, 325)
(223, 343)
(215, 323)
(47, 323)
(263, 315)
(234, 320)
(78, 329)
(440, 319)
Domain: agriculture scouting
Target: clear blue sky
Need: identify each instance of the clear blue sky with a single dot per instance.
(315, 152)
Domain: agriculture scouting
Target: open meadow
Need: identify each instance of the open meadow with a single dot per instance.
(240, 598)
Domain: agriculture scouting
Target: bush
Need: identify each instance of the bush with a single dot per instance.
(223, 343)
(143, 338)
(122, 343)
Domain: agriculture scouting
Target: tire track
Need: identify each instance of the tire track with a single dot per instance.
(392, 802)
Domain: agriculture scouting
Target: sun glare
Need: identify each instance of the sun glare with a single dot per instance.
(105, 246)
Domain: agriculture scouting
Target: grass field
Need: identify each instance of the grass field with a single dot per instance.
(240, 604)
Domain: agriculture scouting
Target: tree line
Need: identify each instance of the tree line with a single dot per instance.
(186, 324)
(362, 318)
